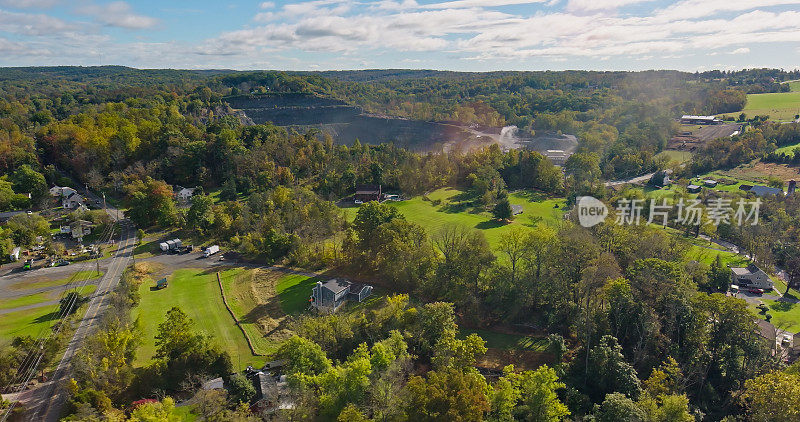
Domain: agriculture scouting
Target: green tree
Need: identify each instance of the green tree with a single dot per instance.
(539, 400)
(447, 395)
(240, 389)
(25, 228)
(151, 202)
(303, 356)
(617, 407)
(200, 215)
(27, 180)
(772, 397)
(502, 210)
(163, 411)
(606, 371)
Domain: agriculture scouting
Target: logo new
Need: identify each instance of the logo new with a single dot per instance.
(591, 211)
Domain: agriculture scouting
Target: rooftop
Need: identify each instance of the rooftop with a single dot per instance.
(336, 285)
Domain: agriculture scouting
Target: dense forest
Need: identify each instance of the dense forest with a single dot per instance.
(637, 329)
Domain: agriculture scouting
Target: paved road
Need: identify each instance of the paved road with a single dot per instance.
(47, 404)
(637, 179)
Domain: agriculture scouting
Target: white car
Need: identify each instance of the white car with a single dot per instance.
(358, 202)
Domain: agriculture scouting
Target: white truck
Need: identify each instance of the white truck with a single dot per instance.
(164, 246)
(211, 250)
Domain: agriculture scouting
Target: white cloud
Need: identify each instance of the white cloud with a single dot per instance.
(693, 9)
(26, 4)
(119, 14)
(743, 50)
(267, 5)
(593, 5)
(32, 24)
(457, 4)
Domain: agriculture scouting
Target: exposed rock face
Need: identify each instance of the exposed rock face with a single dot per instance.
(346, 123)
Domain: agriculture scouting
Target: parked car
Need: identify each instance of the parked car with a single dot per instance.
(62, 262)
(756, 291)
(358, 202)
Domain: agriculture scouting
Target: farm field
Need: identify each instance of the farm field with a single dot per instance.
(674, 155)
(779, 106)
(197, 293)
(784, 314)
(434, 217)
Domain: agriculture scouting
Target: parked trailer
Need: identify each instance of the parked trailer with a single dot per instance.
(211, 250)
(164, 246)
(177, 243)
(170, 245)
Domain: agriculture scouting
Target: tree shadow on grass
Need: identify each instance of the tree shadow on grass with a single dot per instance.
(52, 316)
(490, 224)
(782, 306)
(532, 196)
(294, 300)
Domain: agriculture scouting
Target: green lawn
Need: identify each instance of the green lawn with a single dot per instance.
(294, 291)
(32, 322)
(197, 293)
(788, 149)
(497, 340)
(794, 86)
(779, 106)
(75, 277)
(26, 300)
(784, 313)
(434, 217)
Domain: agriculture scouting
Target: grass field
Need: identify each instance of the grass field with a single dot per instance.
(794, 86)
(788, 149)
(293, 292)
(31, 322)
(508, 341)
(779, 106)
(197, 293)
(679, 156)
(434, 217)
(75, 277)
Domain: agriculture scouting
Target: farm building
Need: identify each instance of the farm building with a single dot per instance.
(332, 294)
(693, 189)
(367, 193)
(661, 178)
(517, 209)
(709, 183)
(688, 119)
(751, 276)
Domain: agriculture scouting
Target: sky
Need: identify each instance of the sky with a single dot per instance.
(463, 35)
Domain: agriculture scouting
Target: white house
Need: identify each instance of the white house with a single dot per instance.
(73, 201)
(185, 194)
(751, 276)
(61, 191)
(14, 255)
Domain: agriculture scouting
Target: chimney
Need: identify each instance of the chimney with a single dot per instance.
(792, 187)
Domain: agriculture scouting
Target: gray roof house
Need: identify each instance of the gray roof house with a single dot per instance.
(751, 276)
(329, 296)
(765, 190)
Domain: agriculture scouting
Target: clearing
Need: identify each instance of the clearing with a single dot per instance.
(35, 321)
(442, 207)
(196, 292)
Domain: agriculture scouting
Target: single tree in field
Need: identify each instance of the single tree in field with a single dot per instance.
(502, 211)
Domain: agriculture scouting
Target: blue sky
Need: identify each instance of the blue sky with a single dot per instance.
(470, 35)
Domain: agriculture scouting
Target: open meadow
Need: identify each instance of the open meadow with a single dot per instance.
(783, 106)
(443, 207)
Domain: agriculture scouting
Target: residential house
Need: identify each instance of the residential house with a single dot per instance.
(765, 190)
(184, 194)
(752, 277)
(517, 209)
(688, 119)
(73, 201)
(14, 255)
(80, 228)
(272, 393)
(693, 189)
(366, 193)
(329, 296)
(710, 183)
